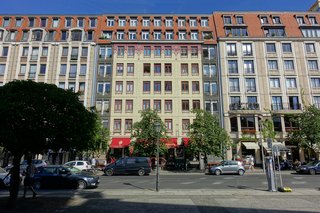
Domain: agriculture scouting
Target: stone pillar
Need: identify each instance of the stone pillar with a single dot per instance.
(301, 155)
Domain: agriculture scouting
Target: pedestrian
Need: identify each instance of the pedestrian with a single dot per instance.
(28, 180)
(251, 163)
(93, 162)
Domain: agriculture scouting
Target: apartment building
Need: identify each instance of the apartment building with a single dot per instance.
(269, 68)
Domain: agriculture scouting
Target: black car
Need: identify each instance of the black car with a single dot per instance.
(129, 165)
(57, 176)
(311, 168)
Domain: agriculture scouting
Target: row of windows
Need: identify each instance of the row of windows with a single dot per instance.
(75, 87)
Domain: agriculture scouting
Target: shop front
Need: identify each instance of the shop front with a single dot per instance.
(119, 147)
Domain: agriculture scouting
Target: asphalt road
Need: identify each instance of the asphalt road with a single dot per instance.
(202, 181)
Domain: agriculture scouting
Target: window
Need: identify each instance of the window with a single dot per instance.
(250, 85)
(168, 69)
(23, 68)
(291, 83)
(204, 22)
(25, 35)
(2, 69)
(310, 48)
(274, 82)
(168, 51)
(264, 19)
(233, 66)
(18, 22)
(130, 69)
(184, 69)
(133, 22)
(168, 86)
(73, 71)
(44, 51)
(315, 82)
(122, 22)
(168, 124)
(194, 51)
(286, 48)
(235, 103)
(145, 104)
(68, 22)
(252, 102)
(105, 52)
(271, 48)
(103, 88)
(84, 52)
(130, 52)
(62, 85)
(103, 71)
(247, 122)
(288, 65)
(83, 69)
(119, 87)
(157, 22)
(146, 69)
(184, 51)
(82, 86)
(157, 35)
(195, 69)
(209, 70)
(231, 50)
(43, 22)
(64, 35)
(25, 51)
(119, 69)
(157, 87)
(193, 22)
(168, 105)
(5, 51)
(129, 105)
(274, 32)
(63, 69)
(132, 35)
(145, 35)
(117, 125)
(181, 22)
(120, 51)
(31, 21)
(169, 22)
(169, 35)
(227, 19)
(157, 69)
(312, 20)
(146, 22)
(93, 22)
(316, 101)
(276, 103)
(55, 22)
(208, 52)
(276, 20)
(128, 125)
(72, 86)
(80, 22)
(157, 51)
(234, 85)
(248, 66)
(32, 70)
(184, 86)
(185, 125)
(43, 68)
(300, 20)
(272, 65)
(239, 20)
(130, 87)
(247, 49)
(117, 105)
(182, 35)
(34, 53)
(120, 35)
(76, 35)
(195, 87)
(195, 104)
(185, 105)
(194, 35)
(206, 88)
(146, 51)
(110, 22)
(74, 53)
(211, 106)
(146, 86)
(157, 105)
(313, 65)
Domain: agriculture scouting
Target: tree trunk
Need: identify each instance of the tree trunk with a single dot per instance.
(15, 181)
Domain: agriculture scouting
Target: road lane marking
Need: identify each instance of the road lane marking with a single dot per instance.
(186, 183)
(298, 182)
(216, 183)
(228, 178)
(203, 178)
(298, 178)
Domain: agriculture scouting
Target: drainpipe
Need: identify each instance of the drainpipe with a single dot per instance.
(94, 76)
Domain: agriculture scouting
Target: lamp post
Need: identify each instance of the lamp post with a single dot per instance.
(157, 126)
(262, 153)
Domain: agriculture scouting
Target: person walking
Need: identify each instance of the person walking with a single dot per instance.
(28, 180)
(251, 163)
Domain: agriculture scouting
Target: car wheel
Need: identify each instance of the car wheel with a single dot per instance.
(109, 172)
(141, 172)
(312, 172)
(82, 184)
(241, 172)
(36, 185)
(217, 172)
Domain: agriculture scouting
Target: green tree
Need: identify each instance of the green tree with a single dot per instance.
(206, 135)
(36, 117)
(267, 129)
(144, 136)
(308, 133)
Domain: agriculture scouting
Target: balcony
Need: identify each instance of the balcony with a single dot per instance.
(286, 106)
(291, 129)
(248, 130)
(244, 106)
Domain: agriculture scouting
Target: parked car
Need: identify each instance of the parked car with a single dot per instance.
(5, 178)
(23, 165)
(79, 164)
(129, 165)
(311, 168)
(228, 167)
(58, 176)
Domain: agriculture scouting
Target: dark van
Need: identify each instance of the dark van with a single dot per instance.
(129, 165)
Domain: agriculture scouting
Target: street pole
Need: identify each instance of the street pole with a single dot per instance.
(262, 153)
(158, 129)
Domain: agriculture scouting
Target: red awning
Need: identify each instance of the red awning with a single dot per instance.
(185, 141)
(120, 142)
(170, 142)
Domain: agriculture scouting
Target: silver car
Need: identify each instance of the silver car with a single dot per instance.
(228, 167)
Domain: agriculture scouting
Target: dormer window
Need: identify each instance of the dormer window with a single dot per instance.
(300, 20)
(110, 22)
(122, 22)
(157, 22)
(239, 20)
(43, 22)
(204, 22)
(68, 22)
(76, 35)
(312, 20)
(93, 22)
(181, 22)
(276, 20)
(80, 22)
(169, 22)
(55, 22)
(264, 20)
(37, 35)
(6, 22)
(227, 19)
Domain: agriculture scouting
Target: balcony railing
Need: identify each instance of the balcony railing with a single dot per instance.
(248, 130)
(244, 106)
(286, 106)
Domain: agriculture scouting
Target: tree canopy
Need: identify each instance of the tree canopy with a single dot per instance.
(206, 135)
(36, 117)
(144, 135)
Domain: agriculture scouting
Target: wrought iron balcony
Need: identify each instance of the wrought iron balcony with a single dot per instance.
(286, 106)
(244, 106)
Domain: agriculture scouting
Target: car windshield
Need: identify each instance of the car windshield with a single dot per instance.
(313, 163)
(2, 170)
(73, 170)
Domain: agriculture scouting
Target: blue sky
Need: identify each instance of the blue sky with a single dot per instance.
(147, 6)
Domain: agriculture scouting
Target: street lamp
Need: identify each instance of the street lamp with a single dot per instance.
(262, 153)
(157, 127)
